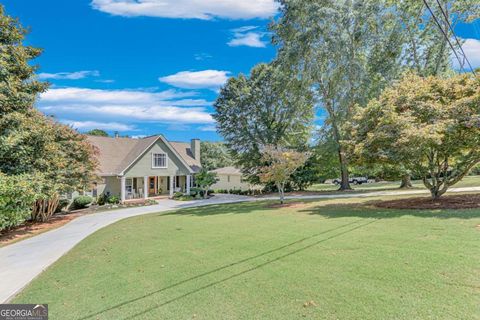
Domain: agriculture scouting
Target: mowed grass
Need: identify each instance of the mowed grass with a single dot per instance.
(312, 260)
(468, 181)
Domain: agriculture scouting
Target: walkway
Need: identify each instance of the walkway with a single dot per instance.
(21, 262)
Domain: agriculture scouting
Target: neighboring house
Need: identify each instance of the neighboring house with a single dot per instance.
(230, 178)
(147, 167)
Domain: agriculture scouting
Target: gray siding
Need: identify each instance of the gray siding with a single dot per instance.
(143, 166)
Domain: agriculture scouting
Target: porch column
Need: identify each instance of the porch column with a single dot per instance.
(122, 189)
(188, 184)
(145, 187)
(171, 186)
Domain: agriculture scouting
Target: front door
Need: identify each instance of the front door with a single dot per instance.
(151, 186)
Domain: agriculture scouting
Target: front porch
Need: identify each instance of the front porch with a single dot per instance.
(132, 188)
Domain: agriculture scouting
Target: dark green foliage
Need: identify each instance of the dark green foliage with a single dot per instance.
(81, 202)
(204, 180)
(18, 85)
(57, 158)
(97, 132)
(270, 107)
(62, 204)
(107, 199)
(195, 191)
(215, 155)
(112, 199)
(17, 196)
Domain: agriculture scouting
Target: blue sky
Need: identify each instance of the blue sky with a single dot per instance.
(141, 68)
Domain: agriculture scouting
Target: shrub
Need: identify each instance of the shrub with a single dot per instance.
(102, 199)
(195, 191)
(81, 202)
(17, 195)
(62, 204)
(113, 199)
(177, 195)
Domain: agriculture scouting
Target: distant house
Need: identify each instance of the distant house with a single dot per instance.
(230, 178)
(147, 167)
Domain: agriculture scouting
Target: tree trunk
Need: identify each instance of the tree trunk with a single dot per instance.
(281, 192)
(406, 182)
(345, 184)
(438, 189)
(43, 209)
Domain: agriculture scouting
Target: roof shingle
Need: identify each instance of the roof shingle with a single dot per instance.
(116, 154)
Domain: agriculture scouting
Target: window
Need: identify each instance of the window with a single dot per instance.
(128, 185)
(159, 160)
(228, 178)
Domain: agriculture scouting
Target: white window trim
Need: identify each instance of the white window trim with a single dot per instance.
(128, 185)
(153, 160)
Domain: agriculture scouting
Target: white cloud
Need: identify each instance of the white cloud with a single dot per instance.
(105, 81)
(68, 75)
(202, 56)
(471, 47)
(88, 125)
(245, 36)
(206, 79)
(189, 9)
(125, 106)
(208, 128)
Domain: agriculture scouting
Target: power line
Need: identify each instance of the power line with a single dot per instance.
(444, 34)
(456, 39)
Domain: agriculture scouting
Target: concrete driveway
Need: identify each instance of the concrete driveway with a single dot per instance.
(21, 262)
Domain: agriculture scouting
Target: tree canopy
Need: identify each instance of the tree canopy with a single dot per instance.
(205, 180)
(431, 126)
(347, 50)
(270, 107)
(56, 157)
(97, 132)
(280, 165)
(215, 155)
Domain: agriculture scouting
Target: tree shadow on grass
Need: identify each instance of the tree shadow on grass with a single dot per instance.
(368, 210)
(349, 227)
(235, 208)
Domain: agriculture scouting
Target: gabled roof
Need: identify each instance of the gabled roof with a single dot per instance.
(228, 170)
(115, 155)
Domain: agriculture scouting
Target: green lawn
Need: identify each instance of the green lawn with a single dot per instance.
(469, 181)
(314, 260)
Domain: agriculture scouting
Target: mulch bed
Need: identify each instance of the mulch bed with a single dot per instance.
(464, 201)
(29, 228)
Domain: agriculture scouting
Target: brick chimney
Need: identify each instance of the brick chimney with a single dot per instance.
(195, 147)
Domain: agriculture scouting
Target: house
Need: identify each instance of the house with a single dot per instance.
(147, 167)
(230, 178)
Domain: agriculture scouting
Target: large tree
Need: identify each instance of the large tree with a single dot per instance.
(215, 155)
(58, 158)
(431, 126)
(426, 50)
(270, 107)
(348, 50)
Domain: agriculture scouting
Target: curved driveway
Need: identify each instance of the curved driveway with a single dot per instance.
(22, 261)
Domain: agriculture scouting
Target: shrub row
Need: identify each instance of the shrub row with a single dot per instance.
(107, 199)
(250, 192)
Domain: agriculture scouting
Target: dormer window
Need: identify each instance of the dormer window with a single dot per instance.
(159, 160)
